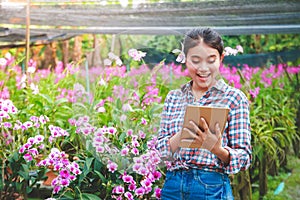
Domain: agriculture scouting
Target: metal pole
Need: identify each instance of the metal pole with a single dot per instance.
(27, 36)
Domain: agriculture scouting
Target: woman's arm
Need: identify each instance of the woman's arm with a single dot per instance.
(239, 137)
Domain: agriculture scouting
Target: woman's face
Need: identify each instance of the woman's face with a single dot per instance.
(203, 64)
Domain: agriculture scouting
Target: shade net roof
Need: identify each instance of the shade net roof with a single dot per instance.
(63, 19)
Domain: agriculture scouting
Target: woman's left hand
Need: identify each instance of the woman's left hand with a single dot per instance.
(210, 141)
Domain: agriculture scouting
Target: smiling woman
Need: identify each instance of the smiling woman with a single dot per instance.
(221, 153)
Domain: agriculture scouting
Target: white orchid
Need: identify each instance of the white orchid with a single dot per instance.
(180, 57)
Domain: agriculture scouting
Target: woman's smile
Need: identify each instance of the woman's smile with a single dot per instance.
(203, 77)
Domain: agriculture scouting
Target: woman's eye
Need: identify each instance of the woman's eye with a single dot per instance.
(195, 61)
(211, 61)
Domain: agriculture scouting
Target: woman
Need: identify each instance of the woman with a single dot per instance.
(202, 173)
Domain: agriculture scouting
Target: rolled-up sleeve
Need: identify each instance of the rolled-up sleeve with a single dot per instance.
(239, 137)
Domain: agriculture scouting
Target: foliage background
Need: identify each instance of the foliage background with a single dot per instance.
(273, 111)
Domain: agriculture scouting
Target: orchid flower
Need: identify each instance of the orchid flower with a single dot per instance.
(181, 57)
(230, 51)
(136, 55)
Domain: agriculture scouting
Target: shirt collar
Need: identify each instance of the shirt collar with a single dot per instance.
(220, 85)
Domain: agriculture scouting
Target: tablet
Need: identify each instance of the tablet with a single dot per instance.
(212, 115)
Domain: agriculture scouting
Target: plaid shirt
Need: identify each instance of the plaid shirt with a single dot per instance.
(236, 138)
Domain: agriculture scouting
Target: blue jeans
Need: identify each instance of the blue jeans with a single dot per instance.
(195, 184)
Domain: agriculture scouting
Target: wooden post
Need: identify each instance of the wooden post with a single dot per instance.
(65, 50)
(50, 59)
(263, 180)
(96, 58)
(76, 57)
(27, 36)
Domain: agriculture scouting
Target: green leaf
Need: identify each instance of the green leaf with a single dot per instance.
(29, 189)
(62, 115)
(47, 98)
(87, 165)
(98, 165)
(103, 179)
(118, 104)
(24, 173)
(122, 137)
(78, 107)
(61, 101)
(87, 196)
(60, 122)
(66, 108)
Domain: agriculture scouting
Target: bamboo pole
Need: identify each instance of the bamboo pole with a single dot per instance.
(27, 36)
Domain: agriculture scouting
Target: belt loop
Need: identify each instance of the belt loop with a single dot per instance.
(174, 172)
(194, 172)
(225, 177)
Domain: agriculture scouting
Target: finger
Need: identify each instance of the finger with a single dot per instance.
(205, 126)
(218, 130)
(189, 133)
(195, 128)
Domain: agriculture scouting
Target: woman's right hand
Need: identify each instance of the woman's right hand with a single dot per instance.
(175, 141)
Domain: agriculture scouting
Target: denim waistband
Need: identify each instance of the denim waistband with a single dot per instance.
(196, 171)
(204, 168)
